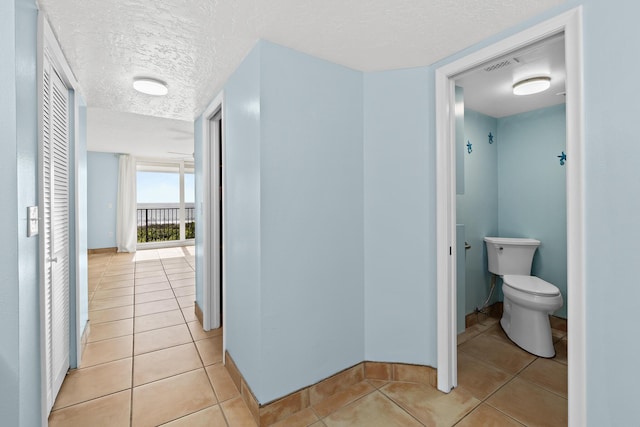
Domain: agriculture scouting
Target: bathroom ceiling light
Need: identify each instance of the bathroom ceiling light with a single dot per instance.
(532, 85)
(150, 86)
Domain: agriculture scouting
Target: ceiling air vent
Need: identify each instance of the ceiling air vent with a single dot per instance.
(498, 65)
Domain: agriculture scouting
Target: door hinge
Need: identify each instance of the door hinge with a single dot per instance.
(450, 251)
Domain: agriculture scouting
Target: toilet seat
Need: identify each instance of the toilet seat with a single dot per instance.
(530, 284)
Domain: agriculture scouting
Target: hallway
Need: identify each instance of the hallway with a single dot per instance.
(147, 360)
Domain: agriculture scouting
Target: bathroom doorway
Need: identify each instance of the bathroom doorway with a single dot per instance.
(213, 216)
(567, 26)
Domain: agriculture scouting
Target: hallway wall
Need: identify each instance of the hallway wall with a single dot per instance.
(9, 256)
(399, 183)
(610, 163)
(293, 171)
(242, 263)
(20, 293)
(102, 183)
(611, 156)
(311, 219)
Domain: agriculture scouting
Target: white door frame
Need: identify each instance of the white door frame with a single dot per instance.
(210, 210)
(570, 23)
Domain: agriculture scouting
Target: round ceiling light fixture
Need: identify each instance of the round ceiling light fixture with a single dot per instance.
(150, 86)
(532, 85)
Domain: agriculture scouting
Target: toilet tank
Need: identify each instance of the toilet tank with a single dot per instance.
(507, 255)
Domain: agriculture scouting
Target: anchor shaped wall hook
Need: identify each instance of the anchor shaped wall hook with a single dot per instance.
(563, 158)
(469, 147)
(490, 138)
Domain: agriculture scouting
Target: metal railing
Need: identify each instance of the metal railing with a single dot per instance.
(161, 224)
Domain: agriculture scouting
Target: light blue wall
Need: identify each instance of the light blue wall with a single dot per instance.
(9, 256)
(311, 219)
(611, 157)
(242, 267)
(28, 248)
(399, 224)
(510, 187)
(20, 355)
(294, 210)
(532, 189)
(19, 293)
(102, 192)
(477, 208)
(612, 229)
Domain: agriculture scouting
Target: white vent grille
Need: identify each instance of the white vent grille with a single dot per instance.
(498, 65)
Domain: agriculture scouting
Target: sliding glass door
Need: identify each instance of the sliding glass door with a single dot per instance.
(165, 192)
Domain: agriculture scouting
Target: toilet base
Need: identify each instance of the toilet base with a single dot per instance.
(541, 346)
(525, 320)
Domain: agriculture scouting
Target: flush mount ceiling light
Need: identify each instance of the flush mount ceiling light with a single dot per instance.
(532, 85)
(150, 86)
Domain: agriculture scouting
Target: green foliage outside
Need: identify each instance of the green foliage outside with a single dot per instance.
(165, 232)
(190, 230)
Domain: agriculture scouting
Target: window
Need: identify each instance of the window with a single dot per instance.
(165, 193)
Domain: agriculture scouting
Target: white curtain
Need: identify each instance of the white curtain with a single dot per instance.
(126, 227)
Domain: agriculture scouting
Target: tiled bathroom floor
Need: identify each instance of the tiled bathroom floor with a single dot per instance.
(148, 362)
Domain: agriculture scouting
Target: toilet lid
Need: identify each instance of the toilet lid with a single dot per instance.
(530, 284)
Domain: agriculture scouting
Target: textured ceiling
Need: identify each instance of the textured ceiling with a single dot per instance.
(195, 45)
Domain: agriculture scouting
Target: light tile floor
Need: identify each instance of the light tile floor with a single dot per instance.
(148, 362)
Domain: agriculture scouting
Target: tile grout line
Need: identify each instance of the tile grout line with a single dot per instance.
(397, 404)
(193, 341)
(88, 400)
(97, 288)
(185, 323)
(133, 347)
(513, 378)
(542, 387)
(130, 389)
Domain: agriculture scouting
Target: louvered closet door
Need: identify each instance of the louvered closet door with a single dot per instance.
(55, 187)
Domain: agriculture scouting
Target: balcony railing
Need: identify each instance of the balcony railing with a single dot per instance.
(161, 223)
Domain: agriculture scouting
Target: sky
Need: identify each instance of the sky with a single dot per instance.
(161, 187)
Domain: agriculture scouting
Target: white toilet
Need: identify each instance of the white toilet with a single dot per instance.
(528, 300)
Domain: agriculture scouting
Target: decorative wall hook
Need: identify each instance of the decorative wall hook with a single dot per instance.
(490, 138)
(563, 158)
(469, 147)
